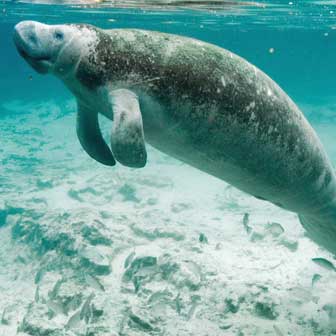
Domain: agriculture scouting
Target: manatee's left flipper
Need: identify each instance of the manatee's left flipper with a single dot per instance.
(127, 137)
(90, 137)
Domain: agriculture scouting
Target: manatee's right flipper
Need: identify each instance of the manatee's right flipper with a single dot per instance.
(90, 137)
(127, 136)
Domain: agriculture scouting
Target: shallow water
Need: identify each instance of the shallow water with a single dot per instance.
(165, 250)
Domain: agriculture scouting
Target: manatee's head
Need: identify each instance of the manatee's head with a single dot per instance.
(55, 49)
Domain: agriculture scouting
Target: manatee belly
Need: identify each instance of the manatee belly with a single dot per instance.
(299, 180)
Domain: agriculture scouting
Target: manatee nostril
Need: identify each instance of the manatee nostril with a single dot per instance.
(24, 33)
(32, 38)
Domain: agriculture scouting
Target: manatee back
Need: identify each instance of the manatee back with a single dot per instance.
(226, 109)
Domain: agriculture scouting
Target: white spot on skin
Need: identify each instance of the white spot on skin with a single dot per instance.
(87, 42)
(252, 117)
(269, 92)
(129, 36)
(249, 107)
(172, 46)
(223, 81)
(321, 178)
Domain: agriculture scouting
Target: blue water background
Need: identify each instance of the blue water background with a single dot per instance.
(302, 36)
(304, 43)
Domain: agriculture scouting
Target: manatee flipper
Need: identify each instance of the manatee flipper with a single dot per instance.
(90, 136)
(127, 136)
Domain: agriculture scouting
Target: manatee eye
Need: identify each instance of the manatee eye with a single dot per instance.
(58, 35)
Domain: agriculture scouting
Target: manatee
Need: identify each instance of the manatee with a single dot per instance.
(194, 101)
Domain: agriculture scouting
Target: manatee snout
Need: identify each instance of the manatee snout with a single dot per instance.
(31, 40)
(25, 32)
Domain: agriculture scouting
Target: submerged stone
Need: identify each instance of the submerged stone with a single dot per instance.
(266, 309)
(289, 243)
(256, 236)
(275, 229)
(232, 304)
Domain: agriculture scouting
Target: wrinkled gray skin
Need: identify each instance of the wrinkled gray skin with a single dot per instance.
(196, 102)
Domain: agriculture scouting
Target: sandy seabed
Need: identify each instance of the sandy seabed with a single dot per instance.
(165, 250)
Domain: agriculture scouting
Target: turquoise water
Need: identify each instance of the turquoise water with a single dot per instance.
(165, 250)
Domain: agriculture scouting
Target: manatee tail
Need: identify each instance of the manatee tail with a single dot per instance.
(321, 230)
